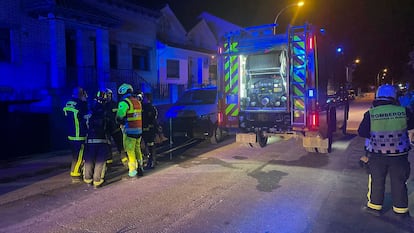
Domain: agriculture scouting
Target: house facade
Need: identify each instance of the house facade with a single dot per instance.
(47, 47)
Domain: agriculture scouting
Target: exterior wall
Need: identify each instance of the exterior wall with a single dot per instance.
(183, 56)
(30, 63)
(136, 30)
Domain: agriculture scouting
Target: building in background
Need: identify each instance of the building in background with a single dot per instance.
(47, 47)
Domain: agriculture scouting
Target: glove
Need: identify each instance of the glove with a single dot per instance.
(364, 163)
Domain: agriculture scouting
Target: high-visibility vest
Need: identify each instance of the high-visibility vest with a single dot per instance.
(133, 124)
(389, 133)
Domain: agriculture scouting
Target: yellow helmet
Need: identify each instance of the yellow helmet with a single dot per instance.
(125, 88)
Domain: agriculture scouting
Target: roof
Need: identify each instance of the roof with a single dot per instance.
(70, 9)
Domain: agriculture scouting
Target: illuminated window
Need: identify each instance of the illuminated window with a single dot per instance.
(5, 50)
(113, 56)
(173, 69)
(140, 59)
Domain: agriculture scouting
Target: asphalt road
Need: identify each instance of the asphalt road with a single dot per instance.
(228, 187)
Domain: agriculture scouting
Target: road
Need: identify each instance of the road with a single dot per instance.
(227, 187)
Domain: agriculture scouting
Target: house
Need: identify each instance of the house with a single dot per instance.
(183, 61)
(47, 47)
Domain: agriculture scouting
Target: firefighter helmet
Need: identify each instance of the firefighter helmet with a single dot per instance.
(108, 91)
(125, 88)
(386, 92)
(101, 96)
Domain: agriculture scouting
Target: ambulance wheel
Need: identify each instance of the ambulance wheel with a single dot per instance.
(261, 139)
(217, 135)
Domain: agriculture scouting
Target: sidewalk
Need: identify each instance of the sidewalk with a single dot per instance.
(33, 165)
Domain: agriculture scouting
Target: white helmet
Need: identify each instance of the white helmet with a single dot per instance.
(386, 92)
(125, 88)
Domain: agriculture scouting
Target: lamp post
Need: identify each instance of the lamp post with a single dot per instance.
(384, 72)
(299, 4)
(349, 70)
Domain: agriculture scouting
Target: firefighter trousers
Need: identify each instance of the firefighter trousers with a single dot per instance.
(95, 163)
(77, 149)
(133, 148)
(399, 169)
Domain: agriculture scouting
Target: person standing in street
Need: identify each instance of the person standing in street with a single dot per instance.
(114, 128)
(76, 113)
(129, 115)
(149, 129)
(97, 149)
(386, 127)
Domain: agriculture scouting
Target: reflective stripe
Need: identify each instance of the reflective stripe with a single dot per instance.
(97, 183)
(374, 206)
(75, 117)
(98, 141)
(400, 210)
(76, 138)
(88, 181)
(369, 204)
(75, 171)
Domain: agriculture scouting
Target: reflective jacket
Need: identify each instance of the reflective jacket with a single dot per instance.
(75, 112)
(388, 133)
(130, 110)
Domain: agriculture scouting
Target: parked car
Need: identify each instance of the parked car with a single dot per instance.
(194, 115)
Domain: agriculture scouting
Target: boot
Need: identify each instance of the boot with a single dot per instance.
(140, 171)
(150, 163)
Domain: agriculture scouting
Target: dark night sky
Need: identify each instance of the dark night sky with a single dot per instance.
(379, 32)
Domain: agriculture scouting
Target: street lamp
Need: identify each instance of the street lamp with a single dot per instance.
(384, 72)
(349, 70)
(299, 4)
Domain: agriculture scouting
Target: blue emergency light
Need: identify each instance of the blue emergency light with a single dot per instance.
(311, 93)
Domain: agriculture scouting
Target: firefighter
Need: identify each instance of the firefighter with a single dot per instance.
(76, 113)
(114, 128)
(97, 149)
(129, 115)
(149, 129)
(386, 126)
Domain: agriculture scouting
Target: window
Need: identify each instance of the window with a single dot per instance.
(213, 72)
(5, 49)
(173, 69)
(140, 59)
(113, 56)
